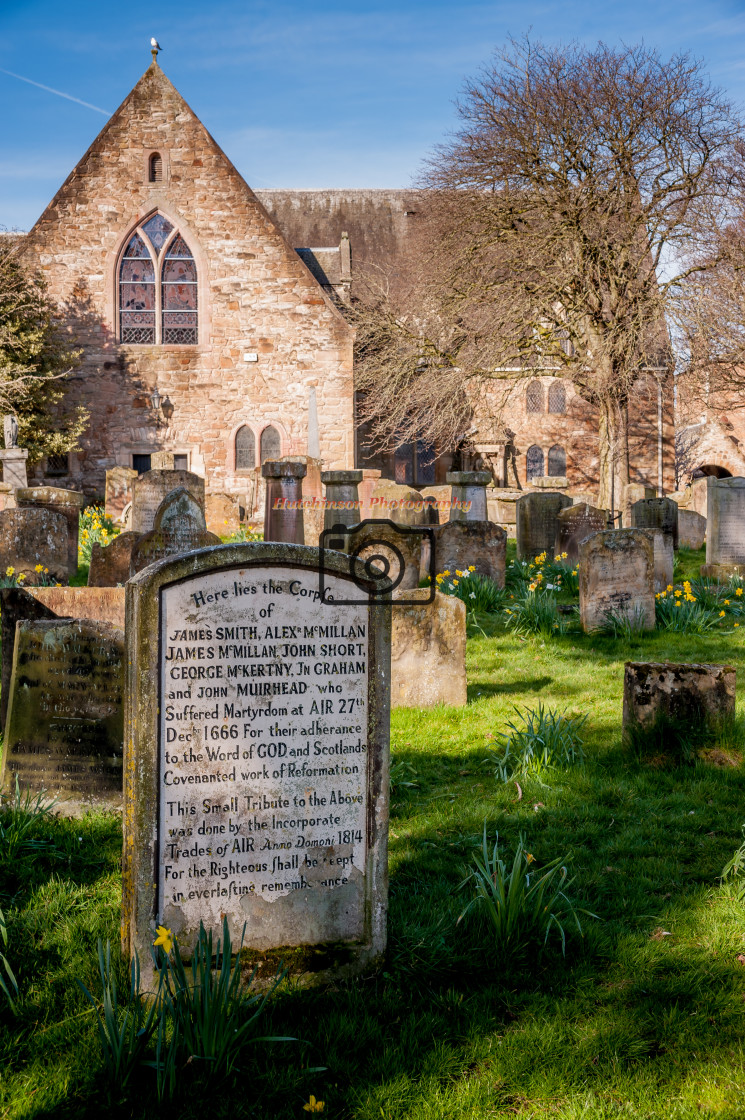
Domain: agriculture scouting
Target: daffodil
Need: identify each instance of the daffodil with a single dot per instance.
(10, 571)
(738, 592)
(39, 568)
(722, 614)
(472, 567)
(726, 602)
(164, 938)
(737, 624)
(313, 1105)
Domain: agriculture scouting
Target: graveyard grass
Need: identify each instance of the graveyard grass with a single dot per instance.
(644, 1018)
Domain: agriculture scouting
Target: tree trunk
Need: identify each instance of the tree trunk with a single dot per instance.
(613, 455)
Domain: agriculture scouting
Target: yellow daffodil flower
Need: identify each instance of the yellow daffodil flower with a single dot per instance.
(472, 567)
(10, 571)
(313, 1105)
(164, 938)
(726, 602)
(738, 592)
(39, 568)
(737, 624)
(722, 614)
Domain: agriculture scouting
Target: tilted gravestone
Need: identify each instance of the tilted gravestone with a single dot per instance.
(34, 538)
(64, 730)
(691, 529)
(97, 604)
(537, 522)
(616, 574)
(574, 524)
(656, 513)
(179, 527)
(428, 651)
(256, 760)
(149, 490)
(460, 545)
(118, 493)
(688, 694)
(725, 528)
(109, 566)
(69, 503)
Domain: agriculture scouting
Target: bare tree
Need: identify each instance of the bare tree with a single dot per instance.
(568, 212)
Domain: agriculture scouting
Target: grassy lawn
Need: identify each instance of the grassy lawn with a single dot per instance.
(644, 1018)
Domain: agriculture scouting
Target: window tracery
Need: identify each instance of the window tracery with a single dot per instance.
(534, 397)
(271, 444)
(164, 310)
(557, 397)
(245, 449)
(534, 462)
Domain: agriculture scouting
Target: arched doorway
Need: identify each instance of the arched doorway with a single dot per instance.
(710, 470)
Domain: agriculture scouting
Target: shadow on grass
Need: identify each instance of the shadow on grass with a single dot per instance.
(507, 688)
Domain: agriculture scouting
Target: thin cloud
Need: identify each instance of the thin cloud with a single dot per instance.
(67, 96)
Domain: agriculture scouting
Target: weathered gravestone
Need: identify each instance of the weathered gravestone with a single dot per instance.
(342, 501)
(162, 461)
(69, 503)
(537, 523)
(634, 492)
(383, 543)
(687, 694)
(283, 505)
(151, 488)
(656, 513)
(691, 529)
(34, 538)
(179, 527)
(616, 575)
(64, 730)
(97, 604)
(725, 528)
(468, 495)
(118, 493)
(256, 758)
(664, 558)
(110, 565)
(222, 513)
(428, 651)
(460, 545)
(574, 524)
(401, 505)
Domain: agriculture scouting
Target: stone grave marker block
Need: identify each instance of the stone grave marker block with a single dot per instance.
(401, 504)
(428, 651)
(460, 544)
(664, 558)
(440, 498)
(162, 461)
(691, 529)
(109, 566)
(179, 527)
(67, 502)
(33, 537)
(256, 758)
(222, 513)
(574, 524)
(118, 493)
(537, 523)
(688, 693)
(468, 501)
(384, 540)
(64, 730)
(96, 604)
(149, 490)
(616, 573)
(656, 513)
(283, 501)
(725, 528)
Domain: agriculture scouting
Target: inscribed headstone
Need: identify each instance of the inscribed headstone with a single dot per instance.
(151, 488)
(460, 545)
(574, 524)
(691, 529)
(537, 523)
(64, 730)
(428, 651)
(468, 495)
(162, 461)
(656, 513)
(34, 538)
(109, 566)
(256, 768)
(69, 503)
(616, 574)
(725, 528)
(179, 527)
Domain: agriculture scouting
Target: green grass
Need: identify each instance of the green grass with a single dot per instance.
(632, 1023)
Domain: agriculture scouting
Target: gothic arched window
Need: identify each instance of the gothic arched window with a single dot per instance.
(557, 461)
(163, 310)
(245, 449)
(271, 445)
(534, 397)
(534, 462)
(557, 397)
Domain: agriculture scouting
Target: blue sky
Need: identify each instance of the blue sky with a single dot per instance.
(299, 93)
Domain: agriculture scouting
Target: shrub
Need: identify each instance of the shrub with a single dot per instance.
(478, 592)
(684, 616)
(95, 526)
(538, 613)
(544, 740)
(518, 907)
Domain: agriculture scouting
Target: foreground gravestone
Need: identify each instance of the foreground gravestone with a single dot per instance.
(428, 651)
(256, 757)
(118, 493)
(179, 527)
(149, 490)
(69, 503)
(109, 566)
(574, 524)
(97, 604)
(460, 545)
(725, 528)
(687, 694)
(537, 523)
(691, 529)
(64, 730)
(656, 513)
(32, 540)
(616, 576)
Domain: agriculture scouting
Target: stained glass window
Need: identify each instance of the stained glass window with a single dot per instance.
(534, 462)
(179, 294)
(245, 449)
(557, 461)
(150, 312)
(158, 230)
(271, 445)
(137, 293)
(557, 397)
(534, 397)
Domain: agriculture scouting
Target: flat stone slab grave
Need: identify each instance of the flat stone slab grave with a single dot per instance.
(64, 732)
(256, 758)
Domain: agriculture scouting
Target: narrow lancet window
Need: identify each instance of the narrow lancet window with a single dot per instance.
(245, 449)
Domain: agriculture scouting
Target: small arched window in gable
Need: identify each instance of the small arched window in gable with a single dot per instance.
(179, 294)
(155, 165)
(557, 397)
(534, 397)
(557, 461)
(271, 445)
(534, 462)
(137, 293)
(245, 449)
